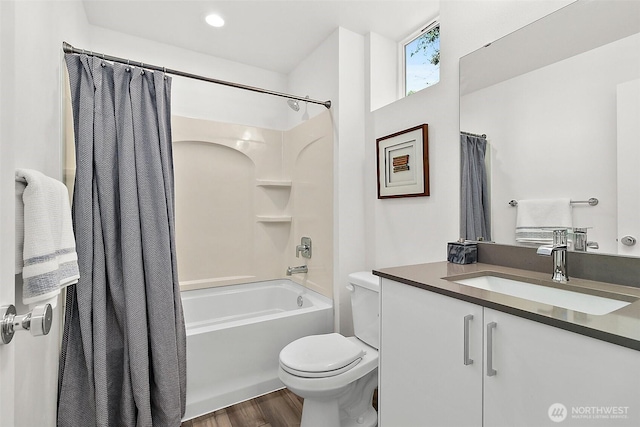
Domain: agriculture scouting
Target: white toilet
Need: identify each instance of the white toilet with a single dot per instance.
(336, 375)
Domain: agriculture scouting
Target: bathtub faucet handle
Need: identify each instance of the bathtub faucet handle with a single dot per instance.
(304, 248)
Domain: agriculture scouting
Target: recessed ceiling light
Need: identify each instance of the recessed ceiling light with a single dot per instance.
(215, 20)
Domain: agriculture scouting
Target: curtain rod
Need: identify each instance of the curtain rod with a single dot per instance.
(474, 134)
(67, 48)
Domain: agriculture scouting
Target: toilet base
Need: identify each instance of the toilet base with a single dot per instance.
(351, 407)
(319, 413)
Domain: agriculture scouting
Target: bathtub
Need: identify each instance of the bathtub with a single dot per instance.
(235, 334)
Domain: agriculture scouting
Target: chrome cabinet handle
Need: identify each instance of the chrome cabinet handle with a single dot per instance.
(490, 371)
(466, 359)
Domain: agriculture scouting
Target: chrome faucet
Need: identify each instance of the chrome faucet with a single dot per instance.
(580, 242)
(296, 270)
(559, 252)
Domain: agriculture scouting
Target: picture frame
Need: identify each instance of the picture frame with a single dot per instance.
(403, 163)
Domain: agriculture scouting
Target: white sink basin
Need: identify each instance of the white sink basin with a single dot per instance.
(585, 303)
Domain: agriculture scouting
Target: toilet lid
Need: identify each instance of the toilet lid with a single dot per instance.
(320, 355)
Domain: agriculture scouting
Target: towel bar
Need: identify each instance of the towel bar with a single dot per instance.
(591, 202)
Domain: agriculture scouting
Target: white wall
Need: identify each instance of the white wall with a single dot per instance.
(628, 129)
(317, 77)
(41, 26)
(351, 167)
(415, 230)
(7, 265)
(382, 70)
(202, 100)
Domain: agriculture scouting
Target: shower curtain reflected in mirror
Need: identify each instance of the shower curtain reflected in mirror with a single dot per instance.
(475, 219)
(124, 345)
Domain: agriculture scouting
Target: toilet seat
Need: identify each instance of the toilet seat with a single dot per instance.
(319, 356)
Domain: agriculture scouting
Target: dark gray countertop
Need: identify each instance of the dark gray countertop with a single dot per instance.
(621, 327)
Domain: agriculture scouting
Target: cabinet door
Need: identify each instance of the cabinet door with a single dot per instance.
(544, 374)
(423, 378)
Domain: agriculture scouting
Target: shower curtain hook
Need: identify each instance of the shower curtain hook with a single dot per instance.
(141, 68)
(164, 72)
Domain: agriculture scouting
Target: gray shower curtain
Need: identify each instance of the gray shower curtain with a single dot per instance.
(475, 220)
(123, 360)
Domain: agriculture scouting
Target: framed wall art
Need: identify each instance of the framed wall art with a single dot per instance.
(403, 163)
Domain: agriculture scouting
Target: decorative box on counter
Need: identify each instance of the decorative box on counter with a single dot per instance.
(464, 252)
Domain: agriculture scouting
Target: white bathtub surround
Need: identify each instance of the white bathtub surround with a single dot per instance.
(308, 158)
(246, 195)
(234, 336)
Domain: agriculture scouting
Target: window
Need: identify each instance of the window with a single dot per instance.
(421, 59)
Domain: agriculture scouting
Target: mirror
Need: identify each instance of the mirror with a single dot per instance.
(559, 102)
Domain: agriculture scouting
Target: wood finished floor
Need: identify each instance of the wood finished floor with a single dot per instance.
(278, 409)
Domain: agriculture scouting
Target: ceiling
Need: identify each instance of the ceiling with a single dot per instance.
(273, 35)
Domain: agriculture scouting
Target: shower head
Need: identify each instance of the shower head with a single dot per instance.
(293, 104)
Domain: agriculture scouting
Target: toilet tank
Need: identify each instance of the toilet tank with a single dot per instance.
(365, 306)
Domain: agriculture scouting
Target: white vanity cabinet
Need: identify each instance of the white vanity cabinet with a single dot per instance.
(538, 365)
(424, 380)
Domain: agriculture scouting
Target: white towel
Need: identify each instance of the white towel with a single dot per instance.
(536, 219)
(45, 244)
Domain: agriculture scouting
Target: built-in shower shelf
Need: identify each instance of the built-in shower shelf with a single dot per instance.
(273, 218)
(278, 191)
(273, 183)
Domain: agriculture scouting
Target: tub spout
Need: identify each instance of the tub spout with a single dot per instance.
(298, 269)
